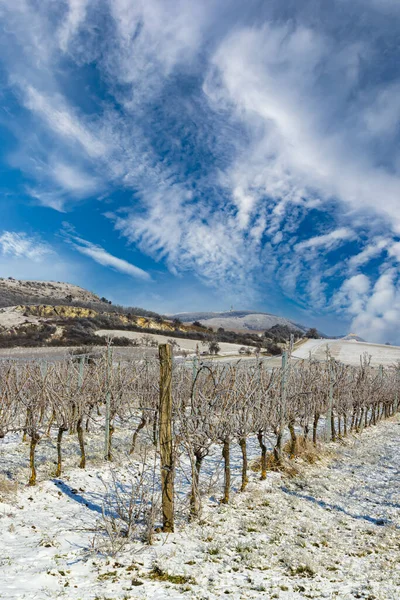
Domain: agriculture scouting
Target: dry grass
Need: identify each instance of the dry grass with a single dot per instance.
(304, 449)
(8, 488)
(255, 465)
(304, 452)
(159, 574)
(285, 466)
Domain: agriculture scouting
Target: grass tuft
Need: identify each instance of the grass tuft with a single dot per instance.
(159, 574)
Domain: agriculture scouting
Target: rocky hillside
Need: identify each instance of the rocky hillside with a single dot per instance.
(245, 320)
(16, 291)
(34, 313)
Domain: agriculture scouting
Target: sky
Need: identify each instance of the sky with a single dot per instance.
(182, 155)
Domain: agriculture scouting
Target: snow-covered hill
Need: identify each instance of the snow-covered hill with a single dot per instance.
(245, 320)
(349, 351)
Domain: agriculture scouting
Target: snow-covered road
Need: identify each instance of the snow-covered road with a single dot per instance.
(331, 532)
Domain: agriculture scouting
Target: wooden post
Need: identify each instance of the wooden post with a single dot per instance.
(329, 416)
(81, 368)
(282, 408)
(195, 366)
(291, 344)
(227, 470)
(107, 449)
(165, 436)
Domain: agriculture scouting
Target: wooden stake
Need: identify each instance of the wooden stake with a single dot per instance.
(165, 437)
(107, 449)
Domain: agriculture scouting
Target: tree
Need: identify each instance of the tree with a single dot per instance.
(197, 324)
(214, 347)
(312, 333)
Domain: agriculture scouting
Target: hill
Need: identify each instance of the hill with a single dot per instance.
(38, 314)
(349, 351)
(16, 291)
(353, 337)
(242, 321)
(49, 313)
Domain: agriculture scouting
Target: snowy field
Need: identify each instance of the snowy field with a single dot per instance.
(186, 344)
(333, 531)
(349, 351)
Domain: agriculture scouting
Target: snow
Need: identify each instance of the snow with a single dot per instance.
(333, 531)
(11, 317)
(239, 320)
(186, 344)
(349, 351)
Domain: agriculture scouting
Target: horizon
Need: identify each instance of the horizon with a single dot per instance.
(183, 156)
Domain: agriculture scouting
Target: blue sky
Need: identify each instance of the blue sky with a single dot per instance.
(184, 155)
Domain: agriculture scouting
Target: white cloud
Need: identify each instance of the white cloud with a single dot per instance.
(383, 112)
(371, 250)
(60, 118)
(73, 179)
(24, 256)
(328, 241)
(353, 295)
(375, 309)
(20, 245)
(75, 17)
(289, 115)
(270, 76)
(379, 319)
(394, 251)
(152, 38)
(104, 258)
(60, 184)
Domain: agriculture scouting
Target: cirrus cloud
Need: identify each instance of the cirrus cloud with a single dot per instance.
(255, 147)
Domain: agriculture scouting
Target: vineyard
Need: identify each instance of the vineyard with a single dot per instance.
(169, 419)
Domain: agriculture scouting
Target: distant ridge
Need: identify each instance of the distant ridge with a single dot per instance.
(353, 337)
(239, 320)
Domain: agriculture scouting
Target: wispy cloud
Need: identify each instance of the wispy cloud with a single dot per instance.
(76, 13)
(373, 249)
(60, 119)
(21, 245)
(248, 145)
(27, 256)
(328, 241)
(104, 258)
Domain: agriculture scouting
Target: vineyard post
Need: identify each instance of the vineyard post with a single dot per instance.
(328, 420)
(108, 408)
(195, 366)
(364, 421)
(283, 385)
(81, 365)
(43, 368)
(396, 401)
(165, 437)
(278, 452)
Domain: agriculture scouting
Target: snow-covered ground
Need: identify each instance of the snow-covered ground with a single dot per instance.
(331, 532)
(349, 351)
(185, 344)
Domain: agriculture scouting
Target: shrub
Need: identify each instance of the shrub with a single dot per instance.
(214, 347)
(273, 349)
